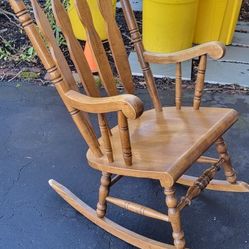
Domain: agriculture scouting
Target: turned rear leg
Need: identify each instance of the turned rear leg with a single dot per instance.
(227, 165)
(103, 193)
(174, 218)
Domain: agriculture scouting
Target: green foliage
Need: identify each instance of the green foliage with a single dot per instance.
(28, 75)
(8, 51)
(28, 54)
(97, 81)
(57, 32)
(6, 48)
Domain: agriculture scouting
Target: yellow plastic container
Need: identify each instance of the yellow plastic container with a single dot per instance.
(98, 20)
(168, 25)
(216, 20)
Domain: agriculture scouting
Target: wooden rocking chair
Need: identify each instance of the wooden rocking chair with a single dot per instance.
(161, 143)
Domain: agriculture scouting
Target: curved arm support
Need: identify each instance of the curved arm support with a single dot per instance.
(216, 50)
(131, 106)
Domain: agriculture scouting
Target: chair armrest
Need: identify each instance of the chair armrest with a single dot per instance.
(131, 106)
(215, 50)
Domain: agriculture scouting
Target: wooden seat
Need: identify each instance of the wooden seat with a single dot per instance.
(165, 144)
(161, 143)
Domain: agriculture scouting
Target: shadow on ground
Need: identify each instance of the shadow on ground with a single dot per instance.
(39, 141)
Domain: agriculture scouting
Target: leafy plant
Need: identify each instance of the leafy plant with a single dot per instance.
(28, 75)
(6, 48)
(28, 54)
(57, 32)
(25, 52)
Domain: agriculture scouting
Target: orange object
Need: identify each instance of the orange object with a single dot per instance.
(90, 58)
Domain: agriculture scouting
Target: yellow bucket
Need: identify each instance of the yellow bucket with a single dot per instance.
(98, 20)
(216, 20)
(168, 25)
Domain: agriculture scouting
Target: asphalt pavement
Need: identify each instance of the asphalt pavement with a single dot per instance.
(39, 141)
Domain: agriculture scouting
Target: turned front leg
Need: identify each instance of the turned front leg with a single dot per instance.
(227, 165)
(174, 218)
(103, 193)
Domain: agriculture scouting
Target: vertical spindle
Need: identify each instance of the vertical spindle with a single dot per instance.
(125, 138)
(178, 96)
(105, 137)
(200, 81)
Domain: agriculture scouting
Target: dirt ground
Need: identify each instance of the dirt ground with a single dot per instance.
(244, 13)
(21, 65)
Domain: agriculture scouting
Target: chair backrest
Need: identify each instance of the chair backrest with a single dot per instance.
(61, 75)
